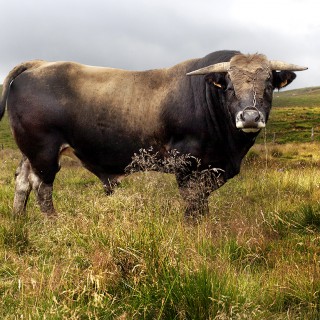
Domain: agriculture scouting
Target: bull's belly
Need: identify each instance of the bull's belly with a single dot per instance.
(112, 160)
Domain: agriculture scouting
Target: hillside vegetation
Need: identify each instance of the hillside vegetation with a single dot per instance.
(304, 97)
(133, 256)
(295, 117)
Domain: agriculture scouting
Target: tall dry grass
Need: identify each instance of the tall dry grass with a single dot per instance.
(132, 255)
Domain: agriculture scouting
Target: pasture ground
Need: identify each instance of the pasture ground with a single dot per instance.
(133, 256)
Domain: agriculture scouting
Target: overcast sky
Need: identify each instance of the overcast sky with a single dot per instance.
(148, 34)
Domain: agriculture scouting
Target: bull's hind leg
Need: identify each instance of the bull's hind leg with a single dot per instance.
(43, 192)
(22, 187)
(45, 166)
(26, 180)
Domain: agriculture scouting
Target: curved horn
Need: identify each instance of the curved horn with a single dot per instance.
(280, 65)
(218, 67)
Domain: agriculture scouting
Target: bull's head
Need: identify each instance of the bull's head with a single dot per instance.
(248, 82)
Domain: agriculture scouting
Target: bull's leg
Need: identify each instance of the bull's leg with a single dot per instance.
(44, 167)
(26, 180)
(195, 198)
(22, 187)
(43, 193)
(195, 189)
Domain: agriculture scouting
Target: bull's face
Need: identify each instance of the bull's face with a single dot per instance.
(247, 83)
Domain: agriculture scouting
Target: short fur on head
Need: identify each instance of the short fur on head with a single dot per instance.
(248, 71)
(249, 62)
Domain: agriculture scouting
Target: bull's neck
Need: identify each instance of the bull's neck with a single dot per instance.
(234, 143)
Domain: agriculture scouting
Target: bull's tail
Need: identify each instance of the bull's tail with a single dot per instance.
(15, 72)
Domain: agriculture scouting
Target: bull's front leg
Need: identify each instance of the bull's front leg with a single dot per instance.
(196, 201)
(196, 187)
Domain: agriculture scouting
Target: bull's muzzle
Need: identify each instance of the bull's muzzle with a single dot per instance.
(250, 120)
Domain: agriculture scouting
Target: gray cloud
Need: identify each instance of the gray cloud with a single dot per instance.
(144, 34)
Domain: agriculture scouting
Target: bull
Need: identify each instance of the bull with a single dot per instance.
(210, 108)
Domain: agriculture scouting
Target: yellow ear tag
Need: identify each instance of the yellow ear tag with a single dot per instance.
(217, 84)
(284, 83)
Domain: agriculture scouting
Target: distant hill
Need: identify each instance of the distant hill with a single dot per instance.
(304, 97)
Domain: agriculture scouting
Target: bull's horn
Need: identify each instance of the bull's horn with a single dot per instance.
(218, 67)
(280, 65)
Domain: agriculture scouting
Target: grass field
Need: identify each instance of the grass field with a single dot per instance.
(295, 115)
(132, 255)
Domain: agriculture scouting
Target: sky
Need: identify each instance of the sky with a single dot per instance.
(150, 34)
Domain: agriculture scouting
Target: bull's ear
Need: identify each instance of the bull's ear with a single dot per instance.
(283, 78)
(216, 79)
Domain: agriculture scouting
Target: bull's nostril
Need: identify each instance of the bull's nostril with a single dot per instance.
(242, 116)
(257, 118)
